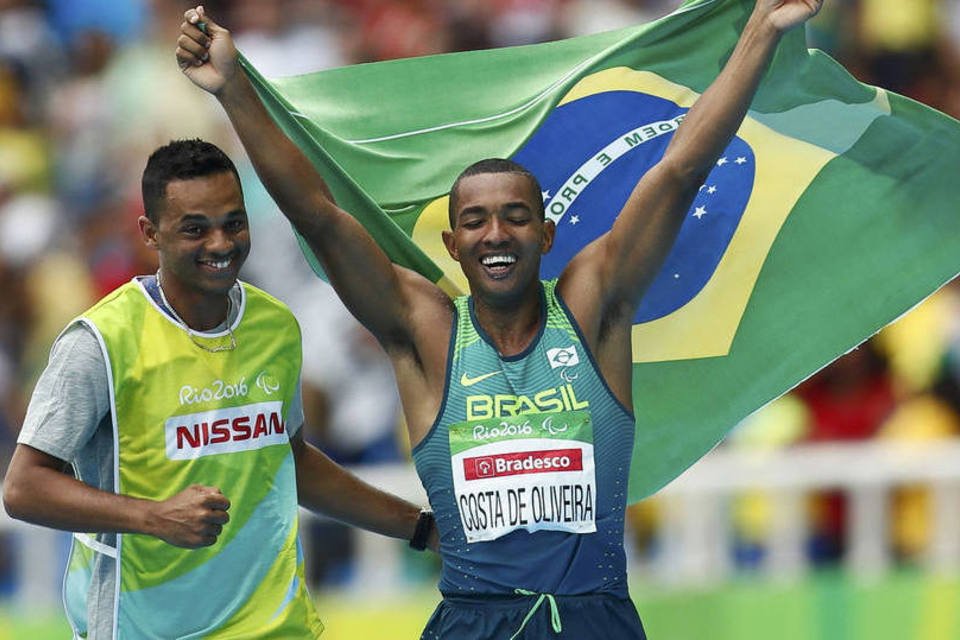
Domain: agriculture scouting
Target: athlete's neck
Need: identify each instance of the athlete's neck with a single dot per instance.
(510, 328)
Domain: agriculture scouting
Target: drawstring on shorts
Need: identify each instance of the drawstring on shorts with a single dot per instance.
(551, 602)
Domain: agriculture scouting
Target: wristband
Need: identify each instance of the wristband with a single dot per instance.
(421, 533)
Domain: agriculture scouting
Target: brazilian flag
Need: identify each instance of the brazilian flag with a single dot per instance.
(831, 213)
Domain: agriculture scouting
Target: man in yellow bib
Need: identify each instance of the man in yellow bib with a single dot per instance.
(176, 399)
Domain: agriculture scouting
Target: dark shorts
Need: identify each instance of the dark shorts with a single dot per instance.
(585, 617)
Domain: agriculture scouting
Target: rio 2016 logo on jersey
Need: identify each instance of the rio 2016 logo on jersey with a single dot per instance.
(216, 391)
(604, 135)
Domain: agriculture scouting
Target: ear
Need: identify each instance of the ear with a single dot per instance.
(450, 242)
(546, 239)
(148, 231)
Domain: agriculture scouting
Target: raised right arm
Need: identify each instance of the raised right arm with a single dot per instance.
(380, 295)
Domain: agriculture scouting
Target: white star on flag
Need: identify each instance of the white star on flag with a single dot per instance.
(722, 161)
(741, 160)
(700, 212)
(574, 219)
(545, 195)
(712, 189)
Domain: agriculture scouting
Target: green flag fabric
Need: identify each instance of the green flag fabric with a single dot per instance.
(832, 212)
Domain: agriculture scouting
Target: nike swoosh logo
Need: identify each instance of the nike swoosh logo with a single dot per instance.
(467, 381)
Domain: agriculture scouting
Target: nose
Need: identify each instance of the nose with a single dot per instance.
(496, 232)
(219, 242)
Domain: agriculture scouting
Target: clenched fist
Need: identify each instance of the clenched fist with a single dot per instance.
(192, 518)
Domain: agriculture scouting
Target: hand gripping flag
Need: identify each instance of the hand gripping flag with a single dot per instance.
(831, 213)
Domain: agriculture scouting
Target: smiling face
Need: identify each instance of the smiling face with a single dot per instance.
(498, 235)
(202, 237)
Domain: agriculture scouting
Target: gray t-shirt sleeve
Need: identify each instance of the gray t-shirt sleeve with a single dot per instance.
(71, 397)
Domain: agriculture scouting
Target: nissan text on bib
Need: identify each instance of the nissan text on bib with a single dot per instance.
(228, 430)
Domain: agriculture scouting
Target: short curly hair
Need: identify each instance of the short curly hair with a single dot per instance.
(180, 160)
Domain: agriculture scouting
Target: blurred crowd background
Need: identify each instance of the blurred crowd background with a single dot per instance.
(88, 88)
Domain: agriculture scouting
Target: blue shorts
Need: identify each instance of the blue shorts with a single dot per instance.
(584, 617)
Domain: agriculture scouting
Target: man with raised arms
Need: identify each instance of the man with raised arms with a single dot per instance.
(518, 396)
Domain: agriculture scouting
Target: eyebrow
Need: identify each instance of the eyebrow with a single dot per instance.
(200, 217)
(517, 204)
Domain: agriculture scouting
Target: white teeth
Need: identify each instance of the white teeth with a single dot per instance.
(221, 264)
(497, 261)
